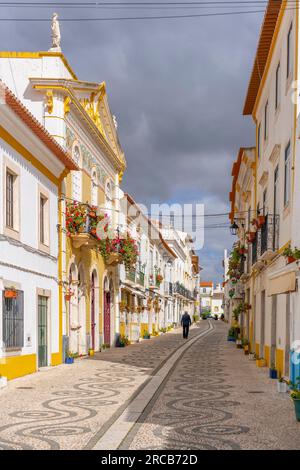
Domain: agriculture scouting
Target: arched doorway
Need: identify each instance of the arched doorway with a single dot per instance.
(106, 312)
(73, 320)
(81, 313)
(94, 311)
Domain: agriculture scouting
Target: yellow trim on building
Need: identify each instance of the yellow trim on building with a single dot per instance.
(279, 361)
(270, 55)
(38, 55)
(27, 155)
(56, 359)
(257, 349)
(17, 366)
(268, 355)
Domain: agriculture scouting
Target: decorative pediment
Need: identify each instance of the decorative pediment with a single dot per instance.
(91, 106)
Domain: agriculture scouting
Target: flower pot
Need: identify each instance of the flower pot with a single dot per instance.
(261, 220)
(231, 338)
(290, 259)
(91, 352)
(251, 356)
(3, 382)
(297, 408)
(10, 294)
(281, 387)
(273, 373)
(246, 350)
(69, 360)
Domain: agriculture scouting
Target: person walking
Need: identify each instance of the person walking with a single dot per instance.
(186, 323)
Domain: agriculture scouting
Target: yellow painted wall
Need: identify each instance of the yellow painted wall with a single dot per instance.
(279, 361)
(251, 335)
(144, 329)
(87, 258)
(268, 355)
(17, 366)
(56, 358)
(122, 328)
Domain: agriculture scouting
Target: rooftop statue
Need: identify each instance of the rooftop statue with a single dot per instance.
(56, 37)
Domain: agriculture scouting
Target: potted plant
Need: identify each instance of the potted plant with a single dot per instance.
(238, 343)
(282, 385)
(261, 219)
(245, 344)
(146, 335)
(295, 396)
(273, 372)
(251, 237)
(10, 293)
(243, 250)
(289, 255)
(231, 293)
(91, 352)
(3, 381)
(252, 356)
(70, 358)
(69, 294)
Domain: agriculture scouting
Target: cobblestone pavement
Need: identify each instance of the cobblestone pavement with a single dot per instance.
(68, 406)
(215, 398)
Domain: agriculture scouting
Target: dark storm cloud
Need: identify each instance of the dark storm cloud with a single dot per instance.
(177, 88)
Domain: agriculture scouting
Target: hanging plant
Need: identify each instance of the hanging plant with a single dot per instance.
(125, 248)
(261, 219)
(231, 293)
(291, 255)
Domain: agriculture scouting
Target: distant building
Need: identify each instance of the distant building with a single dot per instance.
(211, 298)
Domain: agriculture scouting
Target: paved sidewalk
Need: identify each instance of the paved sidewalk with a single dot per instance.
(67, 407)
(215, 398)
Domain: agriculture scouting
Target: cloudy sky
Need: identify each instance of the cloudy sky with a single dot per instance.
(177, 87)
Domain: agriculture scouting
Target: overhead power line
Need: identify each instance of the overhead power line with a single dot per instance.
(122, 18)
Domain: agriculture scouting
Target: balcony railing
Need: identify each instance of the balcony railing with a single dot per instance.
(269, 236)
(131, 276)
(181, 290)
(141, 278)
(136, 277)
(254, 249)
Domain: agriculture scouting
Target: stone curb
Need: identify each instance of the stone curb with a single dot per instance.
(119, 429)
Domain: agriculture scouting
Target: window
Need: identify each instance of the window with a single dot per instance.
(204, 290)
(277, 87)
(289, 53)
(43, 203)
(266, 121)
(94, 191)
(276, 190)
(10, 216)
(258, 141)
(264, 201)
(13, 320)
(287, 173)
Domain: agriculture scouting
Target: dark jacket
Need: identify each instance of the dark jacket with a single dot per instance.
(186, 320)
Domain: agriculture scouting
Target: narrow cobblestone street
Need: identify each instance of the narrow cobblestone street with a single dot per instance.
(213, 398)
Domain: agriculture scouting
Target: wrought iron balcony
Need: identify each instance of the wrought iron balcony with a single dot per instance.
(140, 278)
(131, 276)
(269, 237)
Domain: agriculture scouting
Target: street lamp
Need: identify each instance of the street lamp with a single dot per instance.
(234, 228)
